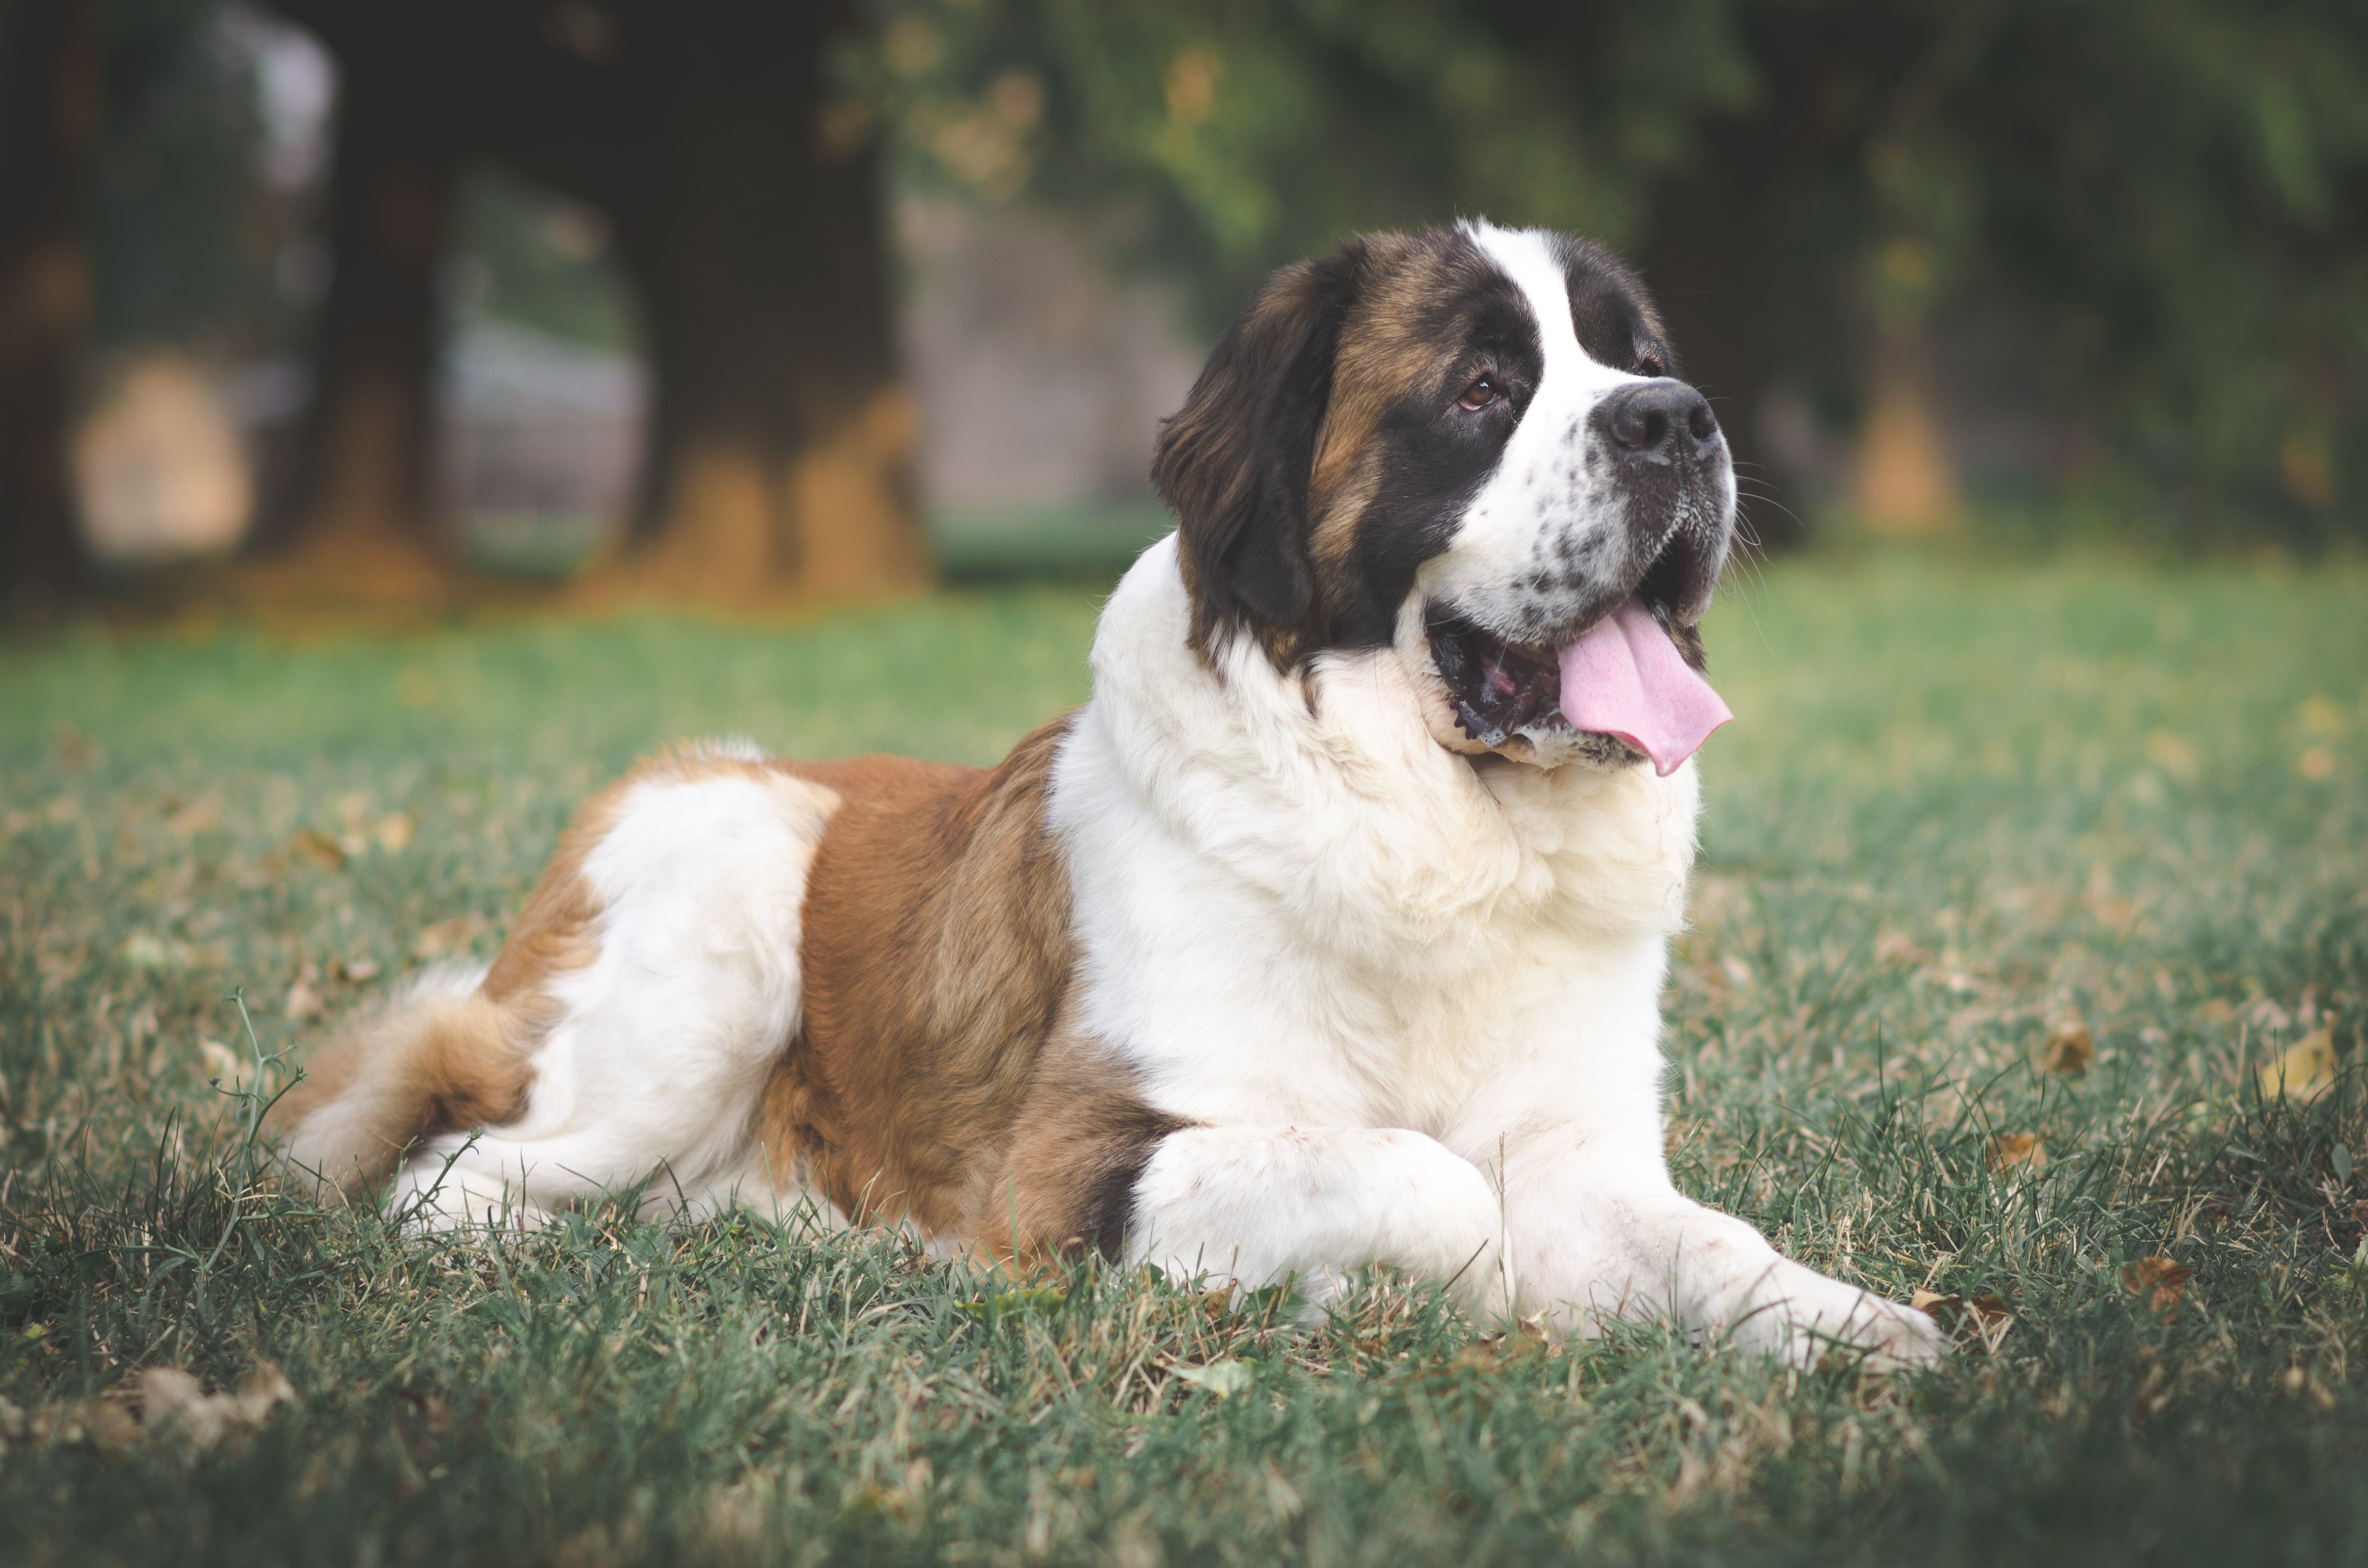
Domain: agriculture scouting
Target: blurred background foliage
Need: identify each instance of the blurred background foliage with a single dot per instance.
(179, 220)
(1255, 133)
(2048, 266)
(2164, 202)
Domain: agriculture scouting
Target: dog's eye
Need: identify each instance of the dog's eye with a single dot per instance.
(1483, 391)
(1651, 365)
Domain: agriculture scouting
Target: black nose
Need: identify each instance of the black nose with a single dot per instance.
(1660, 422)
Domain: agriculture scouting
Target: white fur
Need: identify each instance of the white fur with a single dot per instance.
(1542, 503)
(664, 1041)
(1206, 1206)
(1552, 506)
(1413, 1001)
(1407, 1000)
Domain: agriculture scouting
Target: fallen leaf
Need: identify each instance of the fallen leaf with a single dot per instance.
(173, 1403)
(1986, 1315)
(262, 1389)
(172, 1399)
(2161, 1280)
(312, 844)
(395, 831)
(1224, 1378)
(449, 936)
(109, 1419)
(2068, 1049)
(198, 815)
(2219, 1010)
(2009, 1150)
(160, 1401)
(2305, 1072)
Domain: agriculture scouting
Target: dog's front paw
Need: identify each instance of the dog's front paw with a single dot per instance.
(1885, 1335)
(1805, 1318)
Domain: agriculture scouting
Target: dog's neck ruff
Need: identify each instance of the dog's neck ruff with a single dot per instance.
(1324, 789)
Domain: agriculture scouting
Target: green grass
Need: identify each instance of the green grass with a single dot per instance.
(1964, 807)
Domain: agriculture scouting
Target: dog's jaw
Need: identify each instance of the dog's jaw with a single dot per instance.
(1541, 746)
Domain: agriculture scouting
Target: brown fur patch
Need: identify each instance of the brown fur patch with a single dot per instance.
(936, 956)
(931, 1080)
(1273, 461)
(422, 1065)
(1232, 463)
(1078, 1149)
(1386, 350)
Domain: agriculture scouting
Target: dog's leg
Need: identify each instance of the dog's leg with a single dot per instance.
(1260, 1205)
(1593, 1237)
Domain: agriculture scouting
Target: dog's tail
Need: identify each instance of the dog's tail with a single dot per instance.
(437, 1057)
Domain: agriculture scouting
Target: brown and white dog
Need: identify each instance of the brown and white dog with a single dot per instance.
(1329, 933)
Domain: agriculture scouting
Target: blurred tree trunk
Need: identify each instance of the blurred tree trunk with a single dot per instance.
(1903, 479)
(365, 502)
(751, 223)
(1725, 271)
(51, 98)
(1711, 262)
(782, 437)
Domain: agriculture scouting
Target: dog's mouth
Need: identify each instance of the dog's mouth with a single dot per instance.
(1498, 689)
(1624, 677)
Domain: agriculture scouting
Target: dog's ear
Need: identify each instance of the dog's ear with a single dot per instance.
(1234, 462)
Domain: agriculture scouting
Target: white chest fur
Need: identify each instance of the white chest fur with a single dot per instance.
(1295, 908)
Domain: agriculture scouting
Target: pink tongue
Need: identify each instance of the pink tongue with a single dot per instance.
(1626, 678)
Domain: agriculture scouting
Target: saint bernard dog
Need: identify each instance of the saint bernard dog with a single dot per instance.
(1329, 933)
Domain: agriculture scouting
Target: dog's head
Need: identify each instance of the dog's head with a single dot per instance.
(1467, 444)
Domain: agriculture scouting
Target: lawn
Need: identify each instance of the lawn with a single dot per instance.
(2013, 880)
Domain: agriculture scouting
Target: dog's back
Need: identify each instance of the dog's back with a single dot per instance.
(654, 1023)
